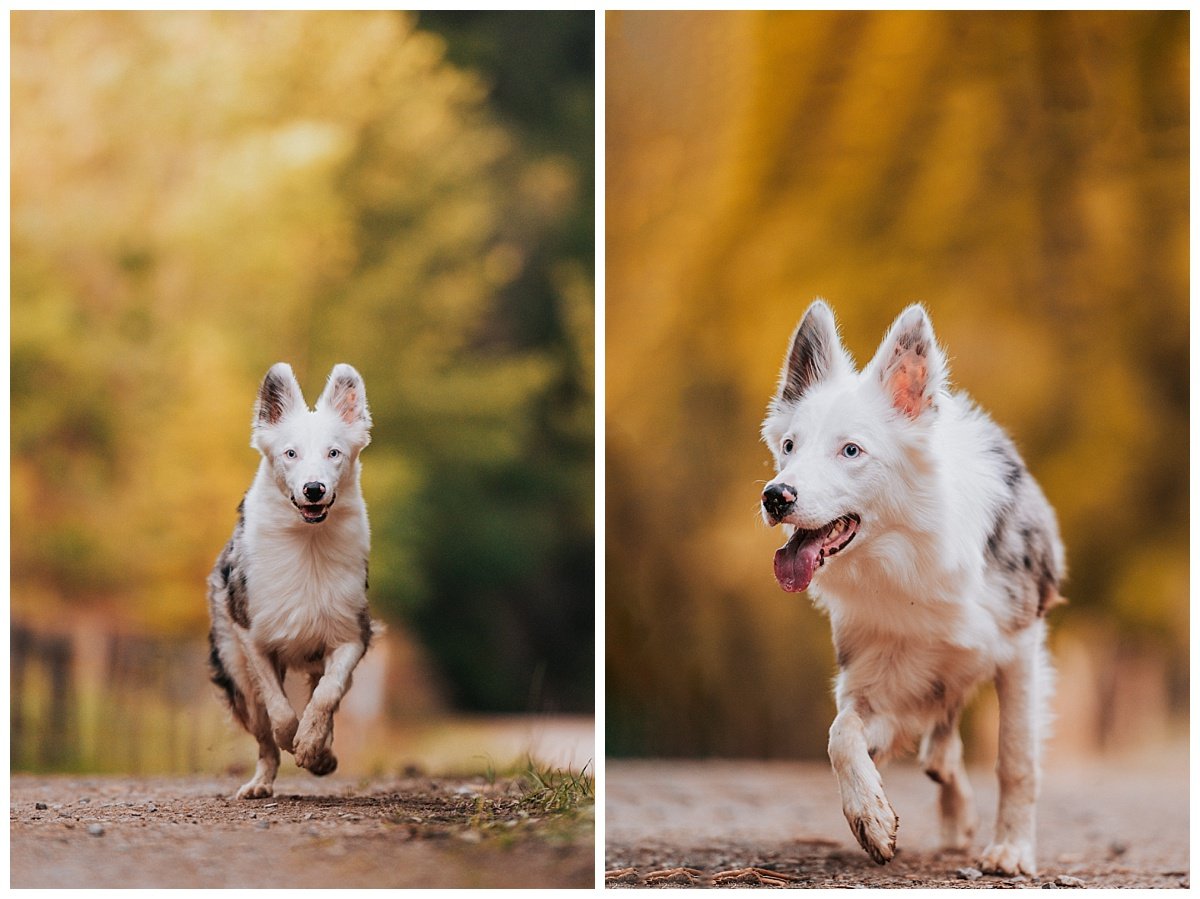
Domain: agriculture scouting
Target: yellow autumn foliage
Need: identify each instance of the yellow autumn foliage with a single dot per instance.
(1023, 174)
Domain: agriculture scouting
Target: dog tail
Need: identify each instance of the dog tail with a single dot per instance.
(1050, 599)
(221, 677)
(370, 628)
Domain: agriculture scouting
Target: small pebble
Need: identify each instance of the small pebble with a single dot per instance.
(40, 806)
(968, 873)
(96, 830)
(1066, 880)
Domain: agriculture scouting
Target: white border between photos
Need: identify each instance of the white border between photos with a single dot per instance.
(598, 355)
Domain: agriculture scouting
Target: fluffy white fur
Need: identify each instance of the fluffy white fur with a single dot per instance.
(289, 591)
(953, 558)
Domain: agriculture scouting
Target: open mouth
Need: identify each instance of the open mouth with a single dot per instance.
(313, 513)
(798, 559)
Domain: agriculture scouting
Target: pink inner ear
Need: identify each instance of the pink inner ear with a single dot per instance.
(347, 406)
(907, 382)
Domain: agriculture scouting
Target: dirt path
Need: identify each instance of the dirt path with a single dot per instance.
(185, 832)
(1100, 825)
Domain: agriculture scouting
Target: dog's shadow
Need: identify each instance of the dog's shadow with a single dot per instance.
(426, 805)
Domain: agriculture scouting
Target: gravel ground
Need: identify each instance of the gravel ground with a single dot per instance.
(186, 832)
(671, 823)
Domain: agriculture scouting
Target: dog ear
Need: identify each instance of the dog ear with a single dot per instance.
(346, 395)
(911, 367)
(815, 353)
(278, 395)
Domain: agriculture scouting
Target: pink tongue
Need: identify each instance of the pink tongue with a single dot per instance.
(796, 560)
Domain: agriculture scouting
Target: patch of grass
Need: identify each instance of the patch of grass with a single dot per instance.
(489, 769)
(535, 800)
(551, 791)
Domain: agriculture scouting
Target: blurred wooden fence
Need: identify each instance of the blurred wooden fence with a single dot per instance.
(89, 698)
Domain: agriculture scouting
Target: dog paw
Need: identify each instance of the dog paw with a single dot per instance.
(321, 763)
(255, 789)
(875, 828)
(313, 743)
(957, 834)
(959, 823)
(1008, 859)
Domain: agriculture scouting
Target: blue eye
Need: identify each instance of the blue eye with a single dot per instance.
(852, 450)
(788, 446)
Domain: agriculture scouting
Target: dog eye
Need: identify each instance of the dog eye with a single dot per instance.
(852, 450)
(334, 453)
(788, 446)
(291, 454)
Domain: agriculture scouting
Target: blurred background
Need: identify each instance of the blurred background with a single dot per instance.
(1023, 174)
(198, 195)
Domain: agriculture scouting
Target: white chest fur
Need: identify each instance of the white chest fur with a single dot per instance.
(306, 585)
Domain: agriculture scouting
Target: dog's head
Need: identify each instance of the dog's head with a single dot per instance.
(311, 451)
(844, 440)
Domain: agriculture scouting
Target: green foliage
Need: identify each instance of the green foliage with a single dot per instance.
(198, 195)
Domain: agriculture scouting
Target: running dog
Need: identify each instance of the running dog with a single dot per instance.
(914, 524)
(289, 591)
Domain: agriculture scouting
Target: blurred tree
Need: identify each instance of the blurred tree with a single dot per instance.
(538, 68)
(1024, 174)
(197, 195)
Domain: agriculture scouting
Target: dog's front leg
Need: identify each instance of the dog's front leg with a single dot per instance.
(1012, 850)
(268, 680)
(314, 740)
(871, 817)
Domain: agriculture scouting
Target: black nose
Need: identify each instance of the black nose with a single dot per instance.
(313, 491)
(777, 499)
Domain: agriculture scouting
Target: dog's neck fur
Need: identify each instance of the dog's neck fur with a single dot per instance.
(276, 514)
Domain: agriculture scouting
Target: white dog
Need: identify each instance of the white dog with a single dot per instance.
(947, 559)
(289, 591)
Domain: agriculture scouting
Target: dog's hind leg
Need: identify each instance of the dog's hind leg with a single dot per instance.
(941, 757)
(314, 739)
(262, 784)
